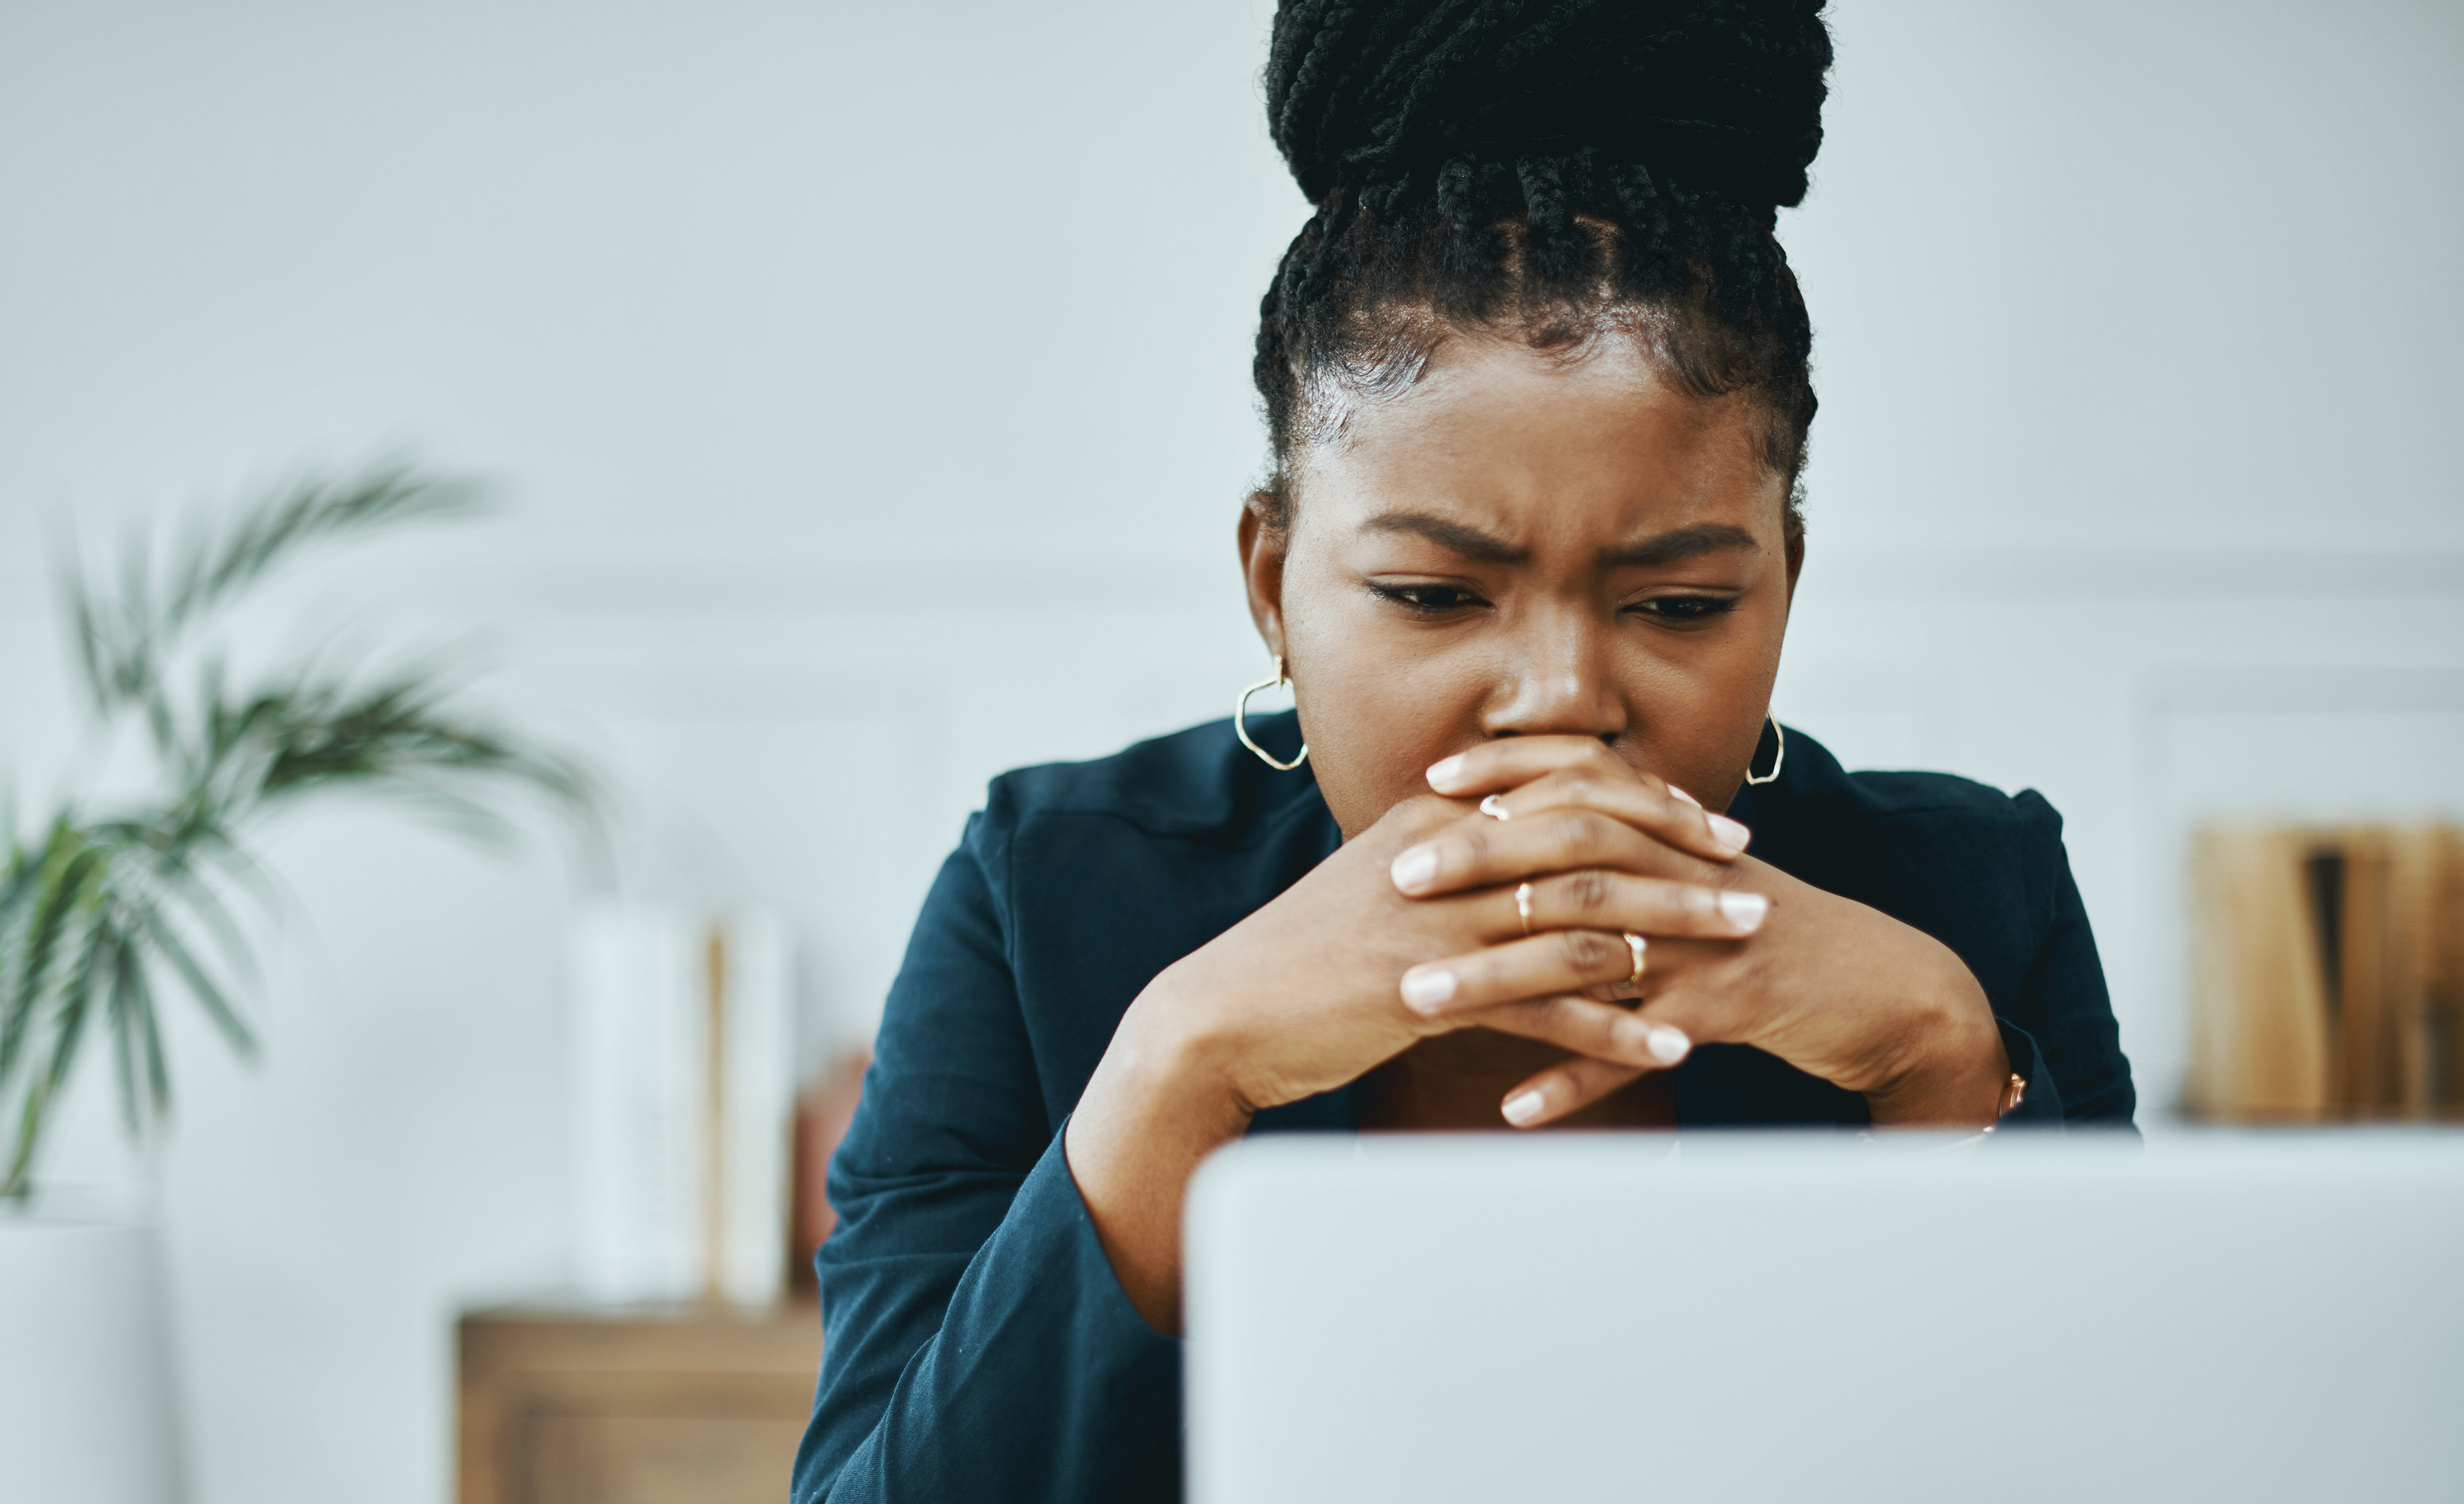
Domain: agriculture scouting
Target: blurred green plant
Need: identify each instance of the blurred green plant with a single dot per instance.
(99, 912)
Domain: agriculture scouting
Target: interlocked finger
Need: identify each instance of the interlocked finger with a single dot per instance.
(1560, 962)
(1525, 774)
(1665, 813)
(1599, 900)
(1563, 1087)
(1481, 852)
(1600, 1030)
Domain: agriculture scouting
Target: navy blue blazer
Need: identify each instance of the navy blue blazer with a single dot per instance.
(976, 1345)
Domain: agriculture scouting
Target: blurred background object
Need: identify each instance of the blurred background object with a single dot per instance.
(87, 1407)
(102, 909)
(110, 903)
(696, 1404)
(684, 1104)
(868, 390)
(2330, 980)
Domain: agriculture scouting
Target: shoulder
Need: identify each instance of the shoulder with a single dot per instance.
(1097, 875)
(1816, 788)
(1199, 784)
(1905, 831)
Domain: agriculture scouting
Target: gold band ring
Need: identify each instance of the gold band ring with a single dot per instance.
(1495, 809)
(1635, 944)
(1523, 906)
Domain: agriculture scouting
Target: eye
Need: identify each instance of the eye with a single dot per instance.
(1685, 609)
(1429, 600)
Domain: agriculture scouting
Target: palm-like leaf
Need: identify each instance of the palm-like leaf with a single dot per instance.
(95, 909)
(122, 644)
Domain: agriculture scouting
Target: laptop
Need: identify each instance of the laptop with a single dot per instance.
(1750, 1317)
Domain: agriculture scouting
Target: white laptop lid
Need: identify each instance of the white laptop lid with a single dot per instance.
(1747, 1317)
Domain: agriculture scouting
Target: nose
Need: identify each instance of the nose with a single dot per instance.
(1557, 678)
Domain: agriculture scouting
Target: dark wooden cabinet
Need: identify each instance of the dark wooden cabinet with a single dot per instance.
(665, 1404)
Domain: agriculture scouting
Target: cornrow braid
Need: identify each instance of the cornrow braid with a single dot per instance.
(1553, 170)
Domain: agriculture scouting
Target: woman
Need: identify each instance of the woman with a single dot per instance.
(1535, 379)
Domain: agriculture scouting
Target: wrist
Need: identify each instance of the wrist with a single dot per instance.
(1165, 1061)
(1153, 1110)
(1957, 1068)
(1157, 1103)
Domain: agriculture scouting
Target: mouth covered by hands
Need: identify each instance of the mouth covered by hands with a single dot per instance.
(1592, 871)
(1604, 887)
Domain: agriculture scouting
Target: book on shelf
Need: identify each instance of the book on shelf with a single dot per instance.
(683, 1092)
(2328, 972)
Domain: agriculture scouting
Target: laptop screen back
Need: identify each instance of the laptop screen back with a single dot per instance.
(1748, 1317)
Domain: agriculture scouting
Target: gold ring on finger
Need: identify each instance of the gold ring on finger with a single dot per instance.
(1523, 906)
(1633, 944)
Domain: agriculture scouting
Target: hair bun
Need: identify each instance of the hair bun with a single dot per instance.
(1720, 95)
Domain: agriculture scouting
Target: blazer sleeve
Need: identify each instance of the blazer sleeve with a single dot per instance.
(2060, 1032)
(975, 1343)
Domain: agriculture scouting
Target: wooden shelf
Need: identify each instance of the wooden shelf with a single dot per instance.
(634, 1404)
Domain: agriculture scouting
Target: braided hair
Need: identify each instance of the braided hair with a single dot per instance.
(1552, 170)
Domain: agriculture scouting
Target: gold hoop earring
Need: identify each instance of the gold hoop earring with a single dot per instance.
(1241, 723)
(1779, 754)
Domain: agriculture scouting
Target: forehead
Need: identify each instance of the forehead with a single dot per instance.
(1594, 440)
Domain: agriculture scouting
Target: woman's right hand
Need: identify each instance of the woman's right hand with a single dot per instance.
(1302, 997)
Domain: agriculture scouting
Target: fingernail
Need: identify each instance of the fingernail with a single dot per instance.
(1424, 987)
(1444, 771)
(1682, 794)
(1730, 834)
(1743, 910)
(1414, 868)
(1523, 1107)
(1668, 1045)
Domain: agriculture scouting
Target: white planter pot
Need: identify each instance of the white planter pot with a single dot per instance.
(85, 1362)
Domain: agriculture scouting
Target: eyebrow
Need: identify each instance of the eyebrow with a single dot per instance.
(1469, 542)
(1659, 548)
(1679, 542)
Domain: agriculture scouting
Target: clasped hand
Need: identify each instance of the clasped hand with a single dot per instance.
(1414, 928)
(1738, 951)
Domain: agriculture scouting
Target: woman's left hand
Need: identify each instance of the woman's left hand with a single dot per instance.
(1836, 989)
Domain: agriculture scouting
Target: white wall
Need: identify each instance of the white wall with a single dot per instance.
(867, 392)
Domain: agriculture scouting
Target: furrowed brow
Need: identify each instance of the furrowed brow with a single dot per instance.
(1469, 542)
(1678, 543)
